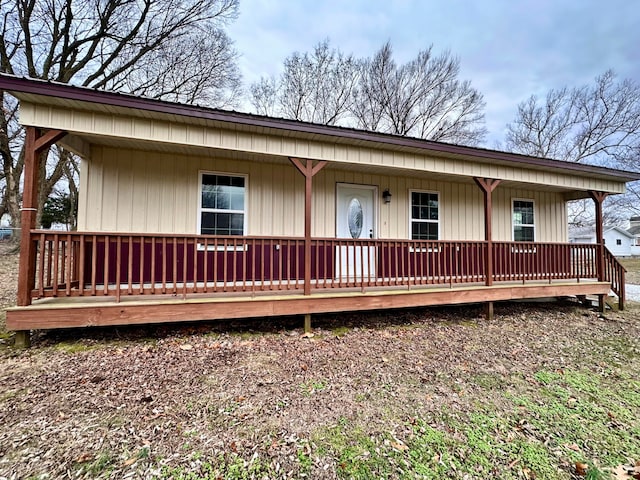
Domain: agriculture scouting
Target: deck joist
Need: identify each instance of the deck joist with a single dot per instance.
(65, 312)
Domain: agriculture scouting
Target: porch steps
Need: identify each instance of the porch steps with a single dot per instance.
(611, 302)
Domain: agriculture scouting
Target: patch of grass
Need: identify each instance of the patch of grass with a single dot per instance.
(573, 416)
(446, 447)
(229, 467)
(587, 410)
(615, 349)
(144, 453)
(313, 386)
(304, 459)
(488, 381)
(9, 394)
(356, 454)
(101, 465)
(73, 347)
(340, 331)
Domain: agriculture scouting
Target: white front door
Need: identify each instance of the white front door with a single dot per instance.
(355, 219)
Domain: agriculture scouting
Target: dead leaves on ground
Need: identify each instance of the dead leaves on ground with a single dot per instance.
(627, 472)
(621, 472)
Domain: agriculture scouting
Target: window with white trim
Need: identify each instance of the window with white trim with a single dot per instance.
(524, 229)
(222, 204)
(425, 215)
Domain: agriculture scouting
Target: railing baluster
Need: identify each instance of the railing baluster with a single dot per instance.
(205, 275)
(184, 267)
(56, 260)
(234, 255)
(142, 243)
(63, 262)
(174, 279)
(152, 277)
(42, 247)
(105, 262)
(195, 266)
(94, 264)
(225, 270)
(164, 265)
(244, 265)
(81, 265)
(281, 255)
(69, 270)
(215, 265)
(253, 265)
(118, 261)
(130, 267)
(262, 264)
(49, 262)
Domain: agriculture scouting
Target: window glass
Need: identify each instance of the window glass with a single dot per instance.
(354, 218)
(222, 205)
(523, 221)
(424, 216)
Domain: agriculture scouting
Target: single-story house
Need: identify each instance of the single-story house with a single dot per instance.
(189, 213)
(634, 229)
(617, 240)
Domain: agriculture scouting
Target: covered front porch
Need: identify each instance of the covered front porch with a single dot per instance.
(92, 279)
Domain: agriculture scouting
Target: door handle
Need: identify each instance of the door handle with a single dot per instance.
(371, 233)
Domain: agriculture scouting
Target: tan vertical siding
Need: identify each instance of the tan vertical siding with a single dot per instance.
(139, 191)
(550, 214)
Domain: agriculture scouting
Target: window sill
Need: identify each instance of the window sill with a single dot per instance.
(223, 248)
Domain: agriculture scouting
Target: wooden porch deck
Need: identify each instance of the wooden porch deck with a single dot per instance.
(65, 312)
(91, 279)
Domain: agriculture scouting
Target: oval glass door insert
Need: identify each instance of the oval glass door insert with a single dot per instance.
(354, 218)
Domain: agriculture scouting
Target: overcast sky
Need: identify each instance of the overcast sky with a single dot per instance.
(509, 49)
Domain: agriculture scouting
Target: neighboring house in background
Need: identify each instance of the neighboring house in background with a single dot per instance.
(189, 213)
(617, 240)
(582, 235)
(634, 229)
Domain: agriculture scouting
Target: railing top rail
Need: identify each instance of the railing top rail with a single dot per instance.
(612, 258)
(62, 233)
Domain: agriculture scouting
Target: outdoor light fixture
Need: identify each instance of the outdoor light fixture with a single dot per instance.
(386, 195)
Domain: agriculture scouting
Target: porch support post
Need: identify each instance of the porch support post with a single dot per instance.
(308, 169)
(598, 200)
(488, 185)
(488, 310)
(307, 323)
(35, 144)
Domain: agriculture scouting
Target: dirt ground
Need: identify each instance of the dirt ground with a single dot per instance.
(148, 401)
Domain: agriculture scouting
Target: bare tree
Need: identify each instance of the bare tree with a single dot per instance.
(421, 98)
(171, 49)
(314, 87)
(597, 124)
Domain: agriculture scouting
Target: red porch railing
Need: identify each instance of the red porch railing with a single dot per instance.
(111, 264)
(614, 273)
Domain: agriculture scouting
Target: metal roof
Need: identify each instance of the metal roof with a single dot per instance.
(20, 86)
